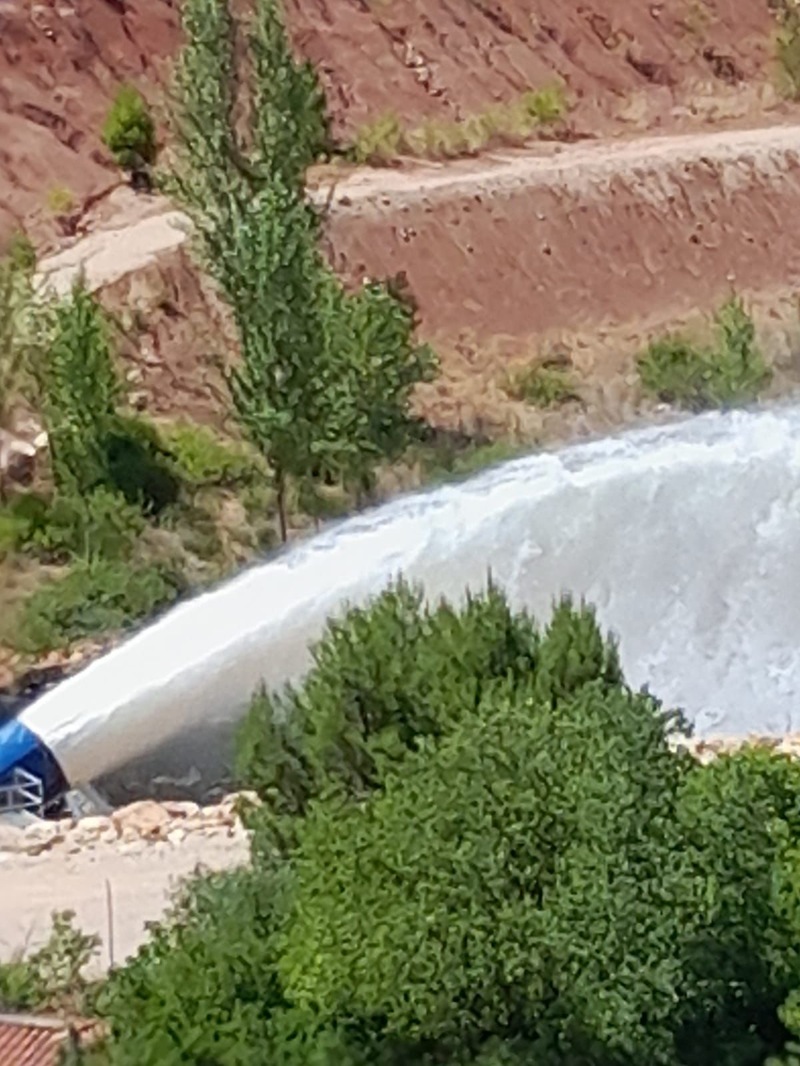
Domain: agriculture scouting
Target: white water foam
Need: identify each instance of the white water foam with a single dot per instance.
(686, 538)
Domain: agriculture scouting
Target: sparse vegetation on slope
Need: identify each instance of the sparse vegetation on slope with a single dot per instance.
(386, 137)
(787, 45)
(543, 384)
(731, 373)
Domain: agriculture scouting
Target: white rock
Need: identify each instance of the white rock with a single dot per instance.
(146, 817)
(12, 838)
(176, 836)
(181, 808)
(132, 847)
(36, 843)
(96, 824)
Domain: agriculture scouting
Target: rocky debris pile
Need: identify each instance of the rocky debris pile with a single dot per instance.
(706, 749)
(129, 830)
(25, 680)
(164, 825)
(20, 454)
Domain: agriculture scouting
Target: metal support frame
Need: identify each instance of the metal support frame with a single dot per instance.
(22, 791)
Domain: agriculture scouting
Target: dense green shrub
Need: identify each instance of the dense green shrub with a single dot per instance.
(99, 525)
(139, 466)
(363, 705)
(478, 848)
(52, 978)
(739, 815)
(129, 132)
(96, 596)
(731, 373)
(206, 978)
(508, 883)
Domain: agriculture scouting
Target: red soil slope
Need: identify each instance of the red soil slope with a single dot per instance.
(584, 235)
(504, 254)
(447, 58)
(61, 61)
(60, 64)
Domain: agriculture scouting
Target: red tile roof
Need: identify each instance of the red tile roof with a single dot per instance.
(28, 1040)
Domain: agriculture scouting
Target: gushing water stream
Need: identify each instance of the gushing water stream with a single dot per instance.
(686, 538)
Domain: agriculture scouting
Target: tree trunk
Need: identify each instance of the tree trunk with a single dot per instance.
(280, 486)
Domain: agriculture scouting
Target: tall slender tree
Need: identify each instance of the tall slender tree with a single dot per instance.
(79, 390)
(312, 357)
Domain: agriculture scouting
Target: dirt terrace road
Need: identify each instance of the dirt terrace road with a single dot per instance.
(131, 244)
(140, 887)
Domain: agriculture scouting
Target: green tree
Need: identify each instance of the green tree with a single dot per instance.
(384, 677)
(507, 880)
(129, 132)
(79, 391)
(312, 358)
(92, 444)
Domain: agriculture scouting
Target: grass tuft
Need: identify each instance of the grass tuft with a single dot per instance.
(384, 139)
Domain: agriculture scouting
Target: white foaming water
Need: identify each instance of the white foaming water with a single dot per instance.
(686, 538)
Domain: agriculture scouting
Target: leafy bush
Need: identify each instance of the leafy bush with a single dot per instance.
(13, 532)
(359, 707)
(206, 978)
(202, 458)
(503, 885)
(443, 457)
(79, 392)
(96, 596)
(139, 466)
(546, 105)
(99, 525)
(733, 372)
(483, 876)
(52, 978)
(129, 131)
(741, 820)
(787, 44)
(380, 140)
